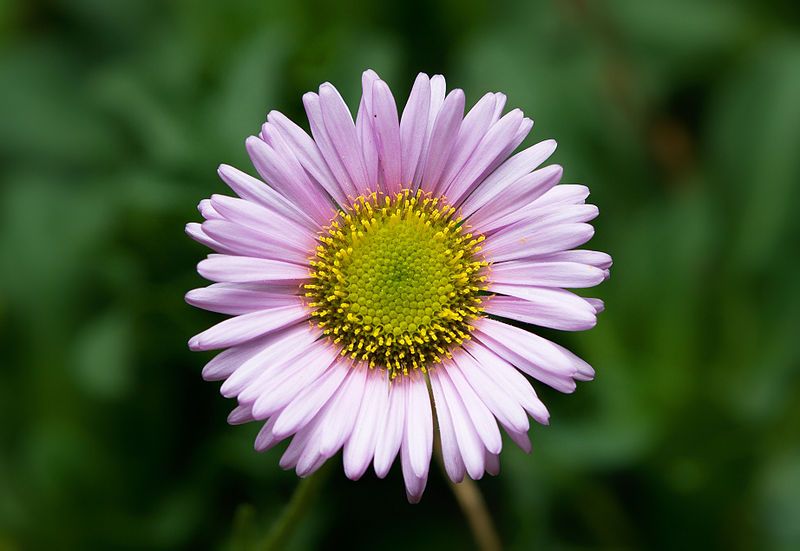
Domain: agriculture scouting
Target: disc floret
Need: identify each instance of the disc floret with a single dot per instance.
(396, 281)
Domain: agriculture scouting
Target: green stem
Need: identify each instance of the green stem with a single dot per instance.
(467, 494)
(303, 496)
(473, 506)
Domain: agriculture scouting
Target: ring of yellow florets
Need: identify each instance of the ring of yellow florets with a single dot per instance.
(396, 281)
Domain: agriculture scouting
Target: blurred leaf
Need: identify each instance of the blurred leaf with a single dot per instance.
(245, 534)
(155, 128)
(46, 117)
(756, 129)
(780, 499)
(681, 30)
(102, 360)
(249, 89)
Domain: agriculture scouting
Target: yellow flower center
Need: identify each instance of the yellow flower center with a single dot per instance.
(396, 281)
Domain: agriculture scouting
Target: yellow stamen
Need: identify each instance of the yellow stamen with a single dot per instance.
(398, 281)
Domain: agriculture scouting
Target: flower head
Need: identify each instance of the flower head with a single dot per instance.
(374, 277)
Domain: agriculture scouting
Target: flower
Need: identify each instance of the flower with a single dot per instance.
(373, 282)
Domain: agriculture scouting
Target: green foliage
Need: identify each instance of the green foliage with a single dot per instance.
(684, 119)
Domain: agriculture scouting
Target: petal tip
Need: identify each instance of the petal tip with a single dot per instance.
(370, 74)
(195, 344)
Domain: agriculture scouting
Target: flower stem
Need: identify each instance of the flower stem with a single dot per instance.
(472, 504)
(467, 494)
(303, 496)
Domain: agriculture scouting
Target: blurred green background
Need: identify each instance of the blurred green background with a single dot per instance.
(684, 119)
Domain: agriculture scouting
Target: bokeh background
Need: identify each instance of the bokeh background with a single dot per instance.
(682, 116)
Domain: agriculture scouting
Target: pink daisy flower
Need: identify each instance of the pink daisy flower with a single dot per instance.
(374, 279)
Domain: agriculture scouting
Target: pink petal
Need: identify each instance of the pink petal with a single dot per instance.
(360, 447)
(592, 258)
(241, 414)
(207, 210)
(364, 128)
(597, 304)
(252, 189)
(510, 381)
(492, 463)
(490, 148)
(393, 426)
(584, 371)
(236, 298)
(342, 131)
(256, 217)
(482, 419)
(283, 347)
(413, 126)
(308, 403)
(528, 352)
(308, 154)
(296, 448)
(242, 269)
(522, 133)
(500, 103)
(473, 128)
(280, 384)
(523, 130)
(564, 194)
(310, 457)
(246, 327)
(532, 217)
(283, 171)
(415, 485)
(546, 240)
(332, 425)
(228, 361)
(195, 231)
(265, 440)
(502, 405)
(521, 439)
(437, 90)
(445, 131)
(521, 193)
(506, 174)
(324, 141)
(451, 454)
(310, 468)
(543, 306)
(472, 449)
(387, 132)
(244, 241)
(338, 424)
(419, 427)
(303, 187)
(546, 274)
